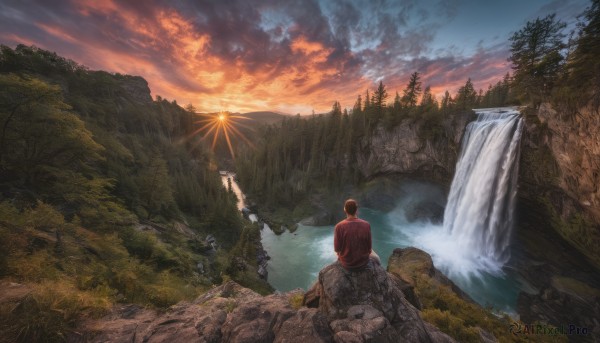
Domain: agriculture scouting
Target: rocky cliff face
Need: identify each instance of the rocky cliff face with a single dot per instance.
(404, 150)
(359, 306)
(560, 175)
(575, 145)
(136, 88)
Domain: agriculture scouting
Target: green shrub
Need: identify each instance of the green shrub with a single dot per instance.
(296, 300)
(49, 313)
(452, 325)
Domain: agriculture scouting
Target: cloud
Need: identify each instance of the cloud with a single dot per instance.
(243, 55)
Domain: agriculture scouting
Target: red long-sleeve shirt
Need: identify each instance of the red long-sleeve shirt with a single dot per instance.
(352, 242)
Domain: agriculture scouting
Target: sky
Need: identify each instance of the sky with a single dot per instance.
(285, 56)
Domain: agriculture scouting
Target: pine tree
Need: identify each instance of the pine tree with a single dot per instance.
(584, 63)
(446, 103)
(155, 190)
(357, 108)
(397, 104)
(467, 96)
(428, 101)
(412, 91)
(536, 57)
(379, 101)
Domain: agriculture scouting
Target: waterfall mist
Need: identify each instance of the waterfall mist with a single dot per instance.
(478, 218)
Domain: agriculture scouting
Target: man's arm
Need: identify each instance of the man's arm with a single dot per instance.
(336, 240)
(370, 240)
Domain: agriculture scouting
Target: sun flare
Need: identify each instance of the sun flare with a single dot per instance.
(222, 124)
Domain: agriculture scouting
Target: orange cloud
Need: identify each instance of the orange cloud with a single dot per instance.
(220, 58)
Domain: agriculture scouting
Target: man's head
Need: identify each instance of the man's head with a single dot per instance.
(350, 207)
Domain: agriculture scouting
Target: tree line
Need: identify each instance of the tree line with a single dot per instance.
(315, 154)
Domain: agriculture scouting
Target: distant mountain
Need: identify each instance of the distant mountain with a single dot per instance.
(266, 117)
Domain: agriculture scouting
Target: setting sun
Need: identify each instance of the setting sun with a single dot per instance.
(224, 123)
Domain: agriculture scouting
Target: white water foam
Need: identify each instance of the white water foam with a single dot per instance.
(478, 218)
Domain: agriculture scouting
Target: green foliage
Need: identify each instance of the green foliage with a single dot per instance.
(156, 194)
(574, 227)
(52, 153)
(84, 155)
(49, 312)
(580, 84)
(100, 152)
(467, 96)
(241, 263)
(584, 65)
(462, 319)
(498, 94)
(412, 90)
(137, 266)
(450, 324)
(304, 158)
(296, 300)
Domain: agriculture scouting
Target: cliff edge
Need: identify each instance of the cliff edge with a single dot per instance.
(359, 306)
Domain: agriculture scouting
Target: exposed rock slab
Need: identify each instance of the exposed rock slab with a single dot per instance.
(359, 306)
(228, 313)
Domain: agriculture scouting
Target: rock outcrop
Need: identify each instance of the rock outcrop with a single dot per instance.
(136, 88)
(228, 313)
(367, 306)
(575, 145)
(358, 306)
(406, 262)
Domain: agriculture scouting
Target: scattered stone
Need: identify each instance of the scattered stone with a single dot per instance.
(13, 292)
(262, 271)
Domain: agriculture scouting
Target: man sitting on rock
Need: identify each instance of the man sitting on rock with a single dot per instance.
(352, 239)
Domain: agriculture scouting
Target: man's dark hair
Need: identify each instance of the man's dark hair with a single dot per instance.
(350, 206)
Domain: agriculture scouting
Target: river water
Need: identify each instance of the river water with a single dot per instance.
(297, 258)
(225, 176)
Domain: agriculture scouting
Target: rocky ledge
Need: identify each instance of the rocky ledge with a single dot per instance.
(359, 306)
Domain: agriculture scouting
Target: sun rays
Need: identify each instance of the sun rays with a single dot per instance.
(222, 124)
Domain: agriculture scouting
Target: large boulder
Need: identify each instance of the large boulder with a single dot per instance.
(405, 263)
(367, 306)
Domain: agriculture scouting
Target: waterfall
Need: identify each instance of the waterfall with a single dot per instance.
(480, 209)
